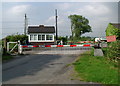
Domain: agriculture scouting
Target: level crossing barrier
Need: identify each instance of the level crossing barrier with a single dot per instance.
(21, 47)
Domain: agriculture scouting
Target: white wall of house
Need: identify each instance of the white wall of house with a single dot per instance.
(41, 37)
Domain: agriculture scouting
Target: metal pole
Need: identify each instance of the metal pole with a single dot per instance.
(25, 25)
(56, 25)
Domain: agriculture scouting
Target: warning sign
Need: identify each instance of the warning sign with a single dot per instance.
(111, 38)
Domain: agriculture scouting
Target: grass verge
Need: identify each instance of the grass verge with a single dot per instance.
(6, 57)
(96, 69)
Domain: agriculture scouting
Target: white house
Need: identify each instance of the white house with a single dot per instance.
(41, 35)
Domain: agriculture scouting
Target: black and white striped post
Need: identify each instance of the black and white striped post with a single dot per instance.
(20, 50)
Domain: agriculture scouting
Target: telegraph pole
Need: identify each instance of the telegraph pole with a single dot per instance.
(25, 26)
(56, 24)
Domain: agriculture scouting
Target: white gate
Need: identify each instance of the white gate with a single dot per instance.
(16, 45)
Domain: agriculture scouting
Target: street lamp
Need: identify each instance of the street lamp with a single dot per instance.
(81, 32)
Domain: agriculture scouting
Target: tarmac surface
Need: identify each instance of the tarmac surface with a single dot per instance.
(42, 67)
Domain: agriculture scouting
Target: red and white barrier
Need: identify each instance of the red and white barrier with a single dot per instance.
(21, 47)
(82, 42)
(33, 46)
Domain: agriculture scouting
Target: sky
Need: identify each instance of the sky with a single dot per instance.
(99, 14)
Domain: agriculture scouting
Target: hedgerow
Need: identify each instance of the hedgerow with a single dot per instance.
(113, 50)
(15, 38)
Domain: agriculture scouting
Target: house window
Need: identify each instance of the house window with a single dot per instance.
(43, 37)
(31, 37)
(49, 37)
(39, 37)
(35, 37)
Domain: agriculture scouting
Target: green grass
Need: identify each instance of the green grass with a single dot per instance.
(6, 57)
(96, 69)
(105, 51)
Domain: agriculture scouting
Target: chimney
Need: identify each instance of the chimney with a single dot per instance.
(41, 25)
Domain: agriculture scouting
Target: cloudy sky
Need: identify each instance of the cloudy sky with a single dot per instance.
(99, 15)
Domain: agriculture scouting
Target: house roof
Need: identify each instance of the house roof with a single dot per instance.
(116, 25)
(41, 29)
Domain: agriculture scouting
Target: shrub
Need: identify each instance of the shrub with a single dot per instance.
(113, 50)
(15, 38)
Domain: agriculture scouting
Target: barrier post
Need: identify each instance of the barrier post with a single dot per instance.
(7, 46)
(20, 50)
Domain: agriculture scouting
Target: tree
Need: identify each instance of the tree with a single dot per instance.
(64, 39)
(79, 25)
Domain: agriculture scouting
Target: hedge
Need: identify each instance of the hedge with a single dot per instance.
(113, 50)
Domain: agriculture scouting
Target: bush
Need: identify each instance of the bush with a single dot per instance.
(64, 39)
(113, 50)
(15, 38)
(105, 51)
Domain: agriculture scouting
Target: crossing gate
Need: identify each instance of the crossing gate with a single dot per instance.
(24, 47)
(16, 45)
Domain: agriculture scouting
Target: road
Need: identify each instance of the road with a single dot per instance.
(47, 66)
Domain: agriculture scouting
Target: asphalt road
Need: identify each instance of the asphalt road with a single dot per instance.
(47, 66)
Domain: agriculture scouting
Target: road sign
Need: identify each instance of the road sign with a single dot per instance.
(111, 38)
